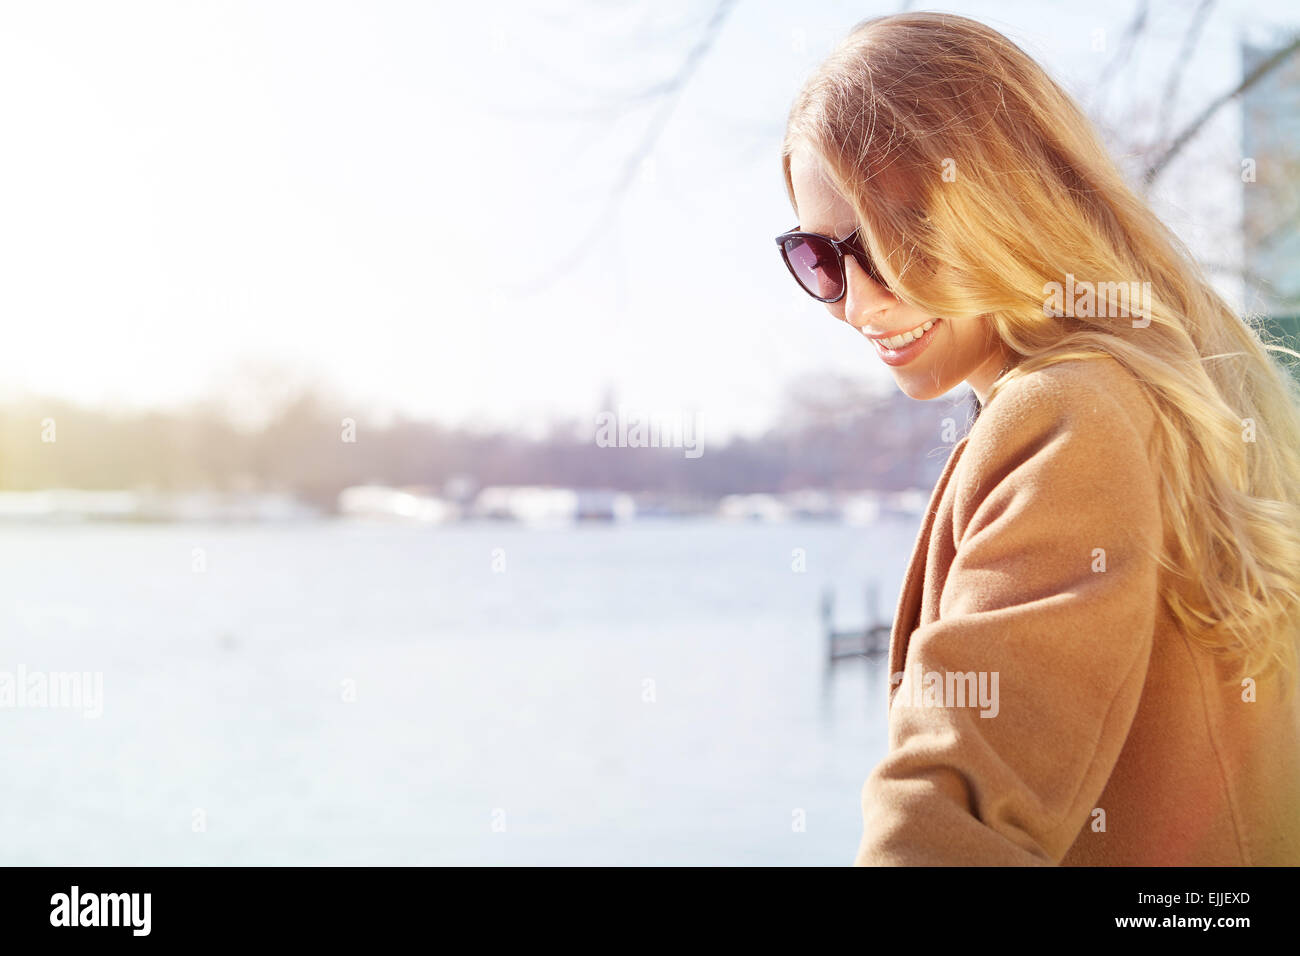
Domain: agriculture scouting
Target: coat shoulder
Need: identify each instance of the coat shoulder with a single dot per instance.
(1059, 428)
(1096, 399)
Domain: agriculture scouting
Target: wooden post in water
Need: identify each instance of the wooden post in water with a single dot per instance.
(869, 641)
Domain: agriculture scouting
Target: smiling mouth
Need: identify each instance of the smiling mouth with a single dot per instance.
(902, 338)
(906, 346)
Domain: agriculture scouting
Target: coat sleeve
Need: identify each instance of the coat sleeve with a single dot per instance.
(1051, 596)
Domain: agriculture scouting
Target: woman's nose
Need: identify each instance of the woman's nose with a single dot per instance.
(864, 297)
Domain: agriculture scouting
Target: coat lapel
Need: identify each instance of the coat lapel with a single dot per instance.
(909, 599)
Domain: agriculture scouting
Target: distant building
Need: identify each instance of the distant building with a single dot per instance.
(595, 504)
(70, 504)
(1270, 204)
(811, 504)
(384, 503)
(909, 503)
(544, 505)
(860, 508)
(753, 507)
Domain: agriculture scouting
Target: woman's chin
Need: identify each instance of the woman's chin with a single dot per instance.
(923, 388)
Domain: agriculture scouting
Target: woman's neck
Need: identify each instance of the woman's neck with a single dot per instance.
(981, 380)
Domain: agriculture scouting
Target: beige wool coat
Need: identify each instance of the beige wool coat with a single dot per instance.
(1115, 740)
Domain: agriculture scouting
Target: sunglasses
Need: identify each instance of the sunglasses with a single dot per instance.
(817, 262)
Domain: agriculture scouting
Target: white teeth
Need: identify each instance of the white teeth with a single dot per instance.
(898, 341)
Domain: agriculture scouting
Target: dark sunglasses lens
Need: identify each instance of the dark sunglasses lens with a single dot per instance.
(864, 259)
(816, 266)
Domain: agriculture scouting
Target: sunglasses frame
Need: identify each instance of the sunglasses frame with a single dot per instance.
(849, 243)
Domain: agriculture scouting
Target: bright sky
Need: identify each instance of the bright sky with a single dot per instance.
(352, 189)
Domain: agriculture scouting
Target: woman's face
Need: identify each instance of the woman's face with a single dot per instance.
(952, 350)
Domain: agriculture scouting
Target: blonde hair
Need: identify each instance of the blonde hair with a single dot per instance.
(978, 182)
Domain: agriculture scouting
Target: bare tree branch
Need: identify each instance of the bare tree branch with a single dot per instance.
(1189, 132)
(1123, 53)
(1190, 38)
(671, 92)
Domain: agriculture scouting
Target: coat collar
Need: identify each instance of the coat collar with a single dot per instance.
(909, 599)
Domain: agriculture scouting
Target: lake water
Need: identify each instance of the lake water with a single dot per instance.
(334, 693)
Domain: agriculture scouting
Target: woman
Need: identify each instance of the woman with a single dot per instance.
(1094, 653)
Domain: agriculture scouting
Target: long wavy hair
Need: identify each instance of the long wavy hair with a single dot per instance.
(978, 182)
